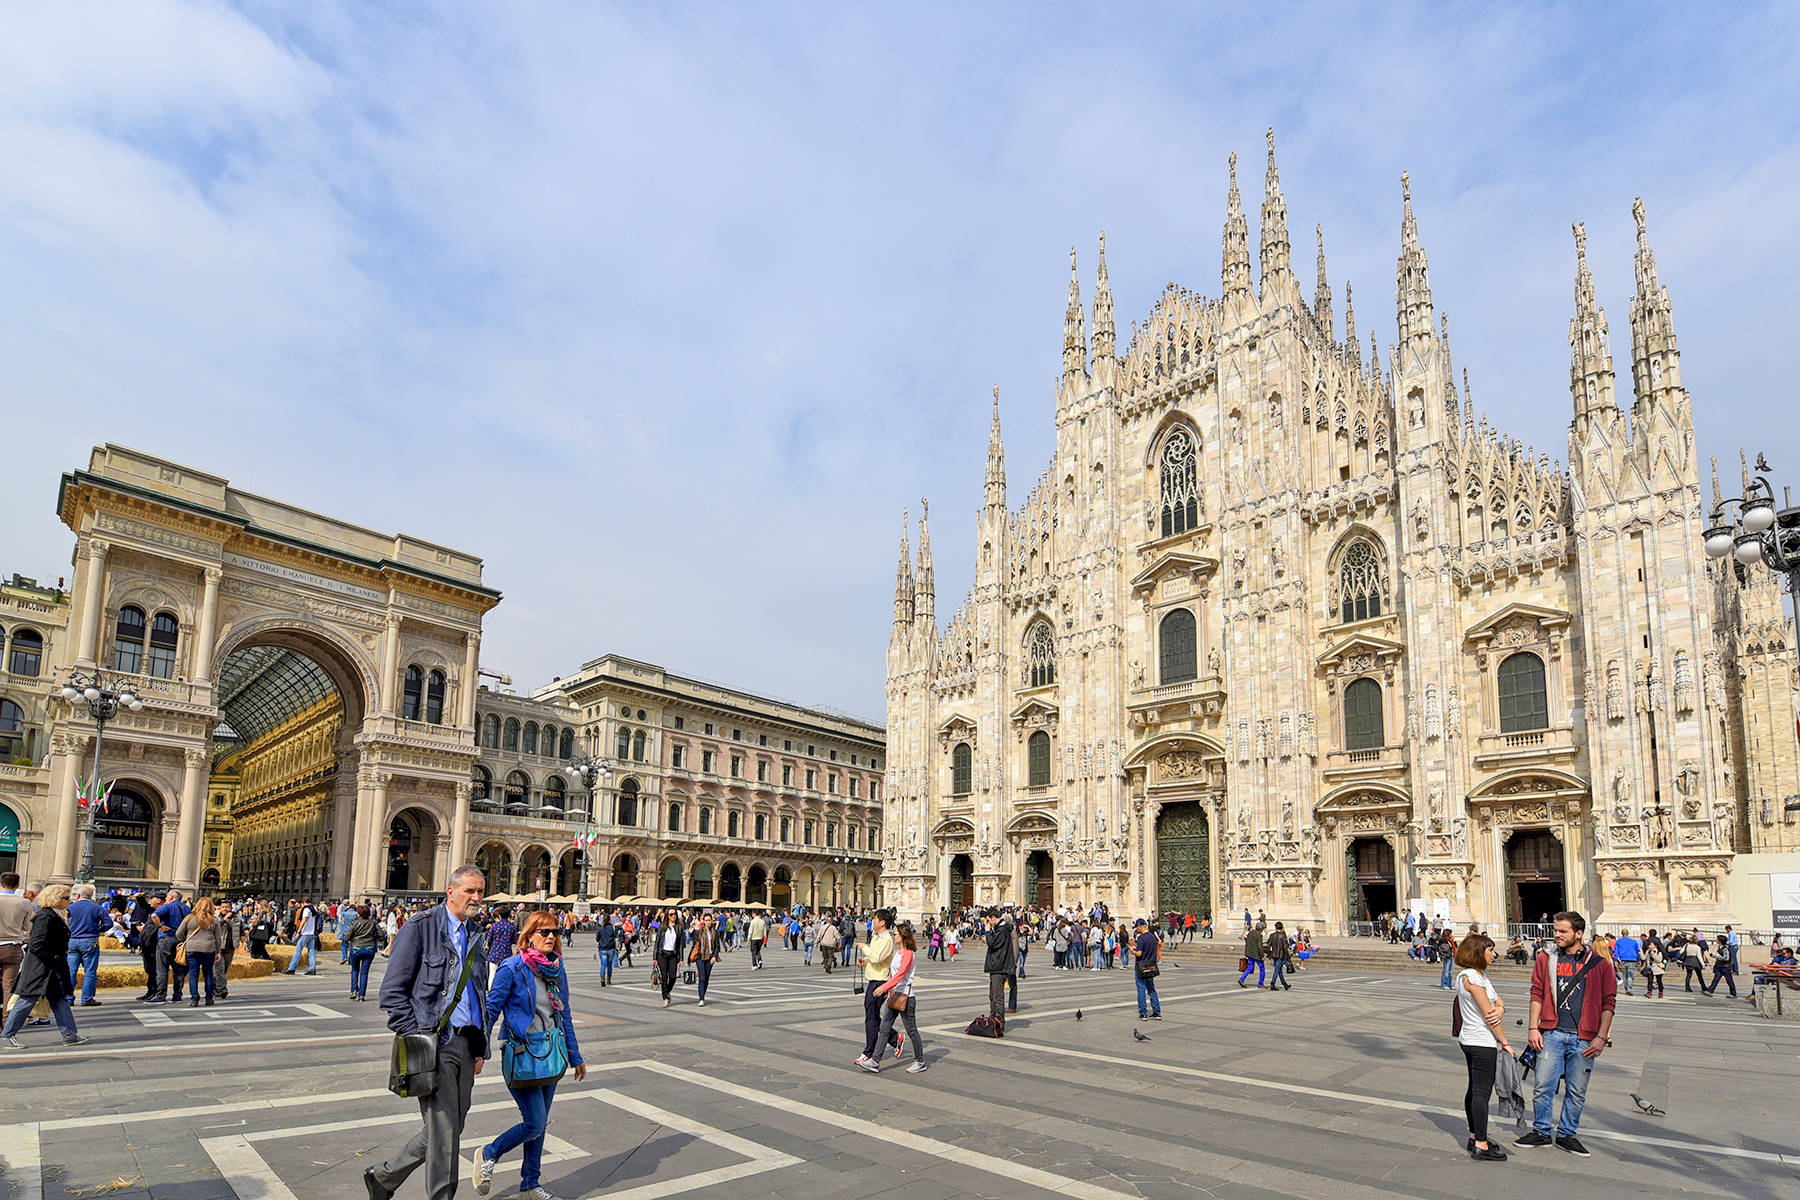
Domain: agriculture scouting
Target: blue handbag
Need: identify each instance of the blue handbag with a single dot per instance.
(536, 1060)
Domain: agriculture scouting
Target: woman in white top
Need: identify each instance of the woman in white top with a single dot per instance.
(900, 983)
(1480, 1031)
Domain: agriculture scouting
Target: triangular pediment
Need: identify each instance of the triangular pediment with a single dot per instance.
(1196, 567)
(1361, 643)
(951, 827)
(956, 728)
(1032, 822)
(1550, 618)
(1035, 708)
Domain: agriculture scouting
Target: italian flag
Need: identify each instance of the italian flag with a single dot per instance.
(84, 798)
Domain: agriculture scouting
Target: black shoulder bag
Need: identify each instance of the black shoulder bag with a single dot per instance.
(412, 1072)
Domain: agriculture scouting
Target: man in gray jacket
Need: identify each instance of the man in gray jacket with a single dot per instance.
(417, 990)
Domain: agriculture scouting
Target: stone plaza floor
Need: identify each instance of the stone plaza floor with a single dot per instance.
(1348, 1086)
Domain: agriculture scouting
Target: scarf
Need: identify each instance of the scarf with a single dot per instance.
(549, 972)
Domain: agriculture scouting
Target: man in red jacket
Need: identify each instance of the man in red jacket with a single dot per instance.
(1573, 992)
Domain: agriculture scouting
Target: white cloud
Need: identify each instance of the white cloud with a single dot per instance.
(666, 312)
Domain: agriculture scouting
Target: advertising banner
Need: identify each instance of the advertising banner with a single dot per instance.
(1784, 899)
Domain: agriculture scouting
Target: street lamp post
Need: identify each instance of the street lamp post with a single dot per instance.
(592, 774)
(103, 702)
(1759, 534)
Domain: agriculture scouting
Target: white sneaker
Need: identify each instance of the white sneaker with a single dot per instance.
(916, 1067)
(484, 1174)
(665, 1002)
(539, 1193)
(703, 1004)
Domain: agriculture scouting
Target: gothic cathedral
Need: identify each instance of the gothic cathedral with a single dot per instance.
(1284, 627)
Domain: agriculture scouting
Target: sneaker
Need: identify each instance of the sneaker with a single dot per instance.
(79, 1040)
(312, 972)
(1156, 1016)
(665, 1003)
(484, 1174)
(90, 1004)
(1532, 1139)
(917, 1067)
(12, 1043)
(871, 1066)
(156, 1000)
(703, 1004)
(1573, 1145)
(861, 1059)
(538, 1193)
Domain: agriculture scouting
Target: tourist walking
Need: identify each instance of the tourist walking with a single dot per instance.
(704, 953)
(829, 939)
(1253, 955)
(530, 1000)
(1626, 953)
(434, 984)
(1279, 949)
(1724, 966)
(44, 971)
(759, 937)
(1480, 1029)
(1572, 1006)
(878, 962)
(306, 939)
(500, 937)
(1693, 961)
(809, 936)
(231, 936)
(15, 930)
(606, 944)
(197, 938)
(1149, 965)
(364, 937)
(1655, 963)
(671, 939)
(899, 1003)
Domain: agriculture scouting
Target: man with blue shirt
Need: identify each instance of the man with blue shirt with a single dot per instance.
(430, 953)
(1731, 944)
(163, 923)
(87, 921)
(1627, 950)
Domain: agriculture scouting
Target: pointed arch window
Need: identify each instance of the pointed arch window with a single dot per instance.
(128, 640)
(1037, 760)
(962, 761)
(1040, 655)
(1176, 647)
(1363, 728)
(1361, 583)
(1524, 699)
(1180, 484)
(414, 695)
(434, 698)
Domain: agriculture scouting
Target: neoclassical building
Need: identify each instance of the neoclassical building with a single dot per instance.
(1285, 625)
(34, 623)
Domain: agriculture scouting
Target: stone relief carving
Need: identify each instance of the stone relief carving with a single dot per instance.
(1684, 683)
(1615, 691)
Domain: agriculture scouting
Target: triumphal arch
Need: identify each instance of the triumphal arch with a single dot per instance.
(310, 681)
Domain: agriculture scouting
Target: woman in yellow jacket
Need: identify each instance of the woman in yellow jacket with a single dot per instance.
(878, 961)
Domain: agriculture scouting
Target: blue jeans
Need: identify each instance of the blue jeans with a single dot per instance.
(1280, 969)
(703, 975)
(309, 946)
(200, 965)
(609, 959)
(806, 949)
(1147, 988)
(1256, 964)
(21, 1012)
(359, 969)
(1449, 964)
(1561, 1060)
(534, 1113)
(84, 953)
(344, 944)
(849, 952)
(1627, 968)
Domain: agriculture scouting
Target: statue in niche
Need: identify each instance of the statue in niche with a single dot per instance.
(1615, 691)
(1137, 673)
(1309, 843)
(1434, 726)
(1660, 832)
(1460, 836)
(1600, 836)
(1657, 699)
(1287, 820)
(1621, 793)
(1436, 809)
(1212, 662)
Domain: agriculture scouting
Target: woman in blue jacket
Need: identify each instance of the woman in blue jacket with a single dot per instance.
(530, 994)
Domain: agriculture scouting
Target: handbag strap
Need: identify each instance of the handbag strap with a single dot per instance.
(462, 981)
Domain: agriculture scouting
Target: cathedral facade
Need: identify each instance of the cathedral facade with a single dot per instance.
(1284, 626)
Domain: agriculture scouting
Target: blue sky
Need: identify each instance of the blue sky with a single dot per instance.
(667, 310)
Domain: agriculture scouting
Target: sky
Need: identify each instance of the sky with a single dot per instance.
(667, 311)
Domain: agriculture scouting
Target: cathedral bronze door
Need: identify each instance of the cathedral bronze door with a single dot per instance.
(961, 891)
(1040, 879)
(1184, 860)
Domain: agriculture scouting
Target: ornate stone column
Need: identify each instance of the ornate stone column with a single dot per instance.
(459, 826)
(209, 626)
(471, 678)
(191, 826)
(65, 816)
(167, 850)
(371, 805)
(390, 663)
(91, 603)
(441, 868)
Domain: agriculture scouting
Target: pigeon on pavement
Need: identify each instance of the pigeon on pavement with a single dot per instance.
(1138, 1037)
(1078, 1014)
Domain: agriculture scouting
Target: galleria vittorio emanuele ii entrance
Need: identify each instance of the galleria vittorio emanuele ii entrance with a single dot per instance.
(314, 679)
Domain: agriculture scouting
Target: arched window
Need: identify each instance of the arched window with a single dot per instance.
(674, 817)
(511, 740)
(962, 761)
(556, 793)
(1362, 583)
(628, 802)
(1176, 647)
(434, 697)
(413, 700)
(1524, 700)
(624, 746)
(637, 746)
(1037, 760)
(1040, 655)
(128, 640)
(481, 783)
(1180, 484)
(706, 820)
(703, 881)
(27, 652)
(671, 879)
(1363, 729)
(734, 825)
(549, 742)
(518, 788)
(565, 747)
(164, 631)
(490, 732)
(762, 827)
(531, 731)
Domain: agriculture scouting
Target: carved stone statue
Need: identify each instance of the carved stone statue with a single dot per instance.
(1137, 673)
(1287, 820)
(1615, 691)
(1212, 662)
